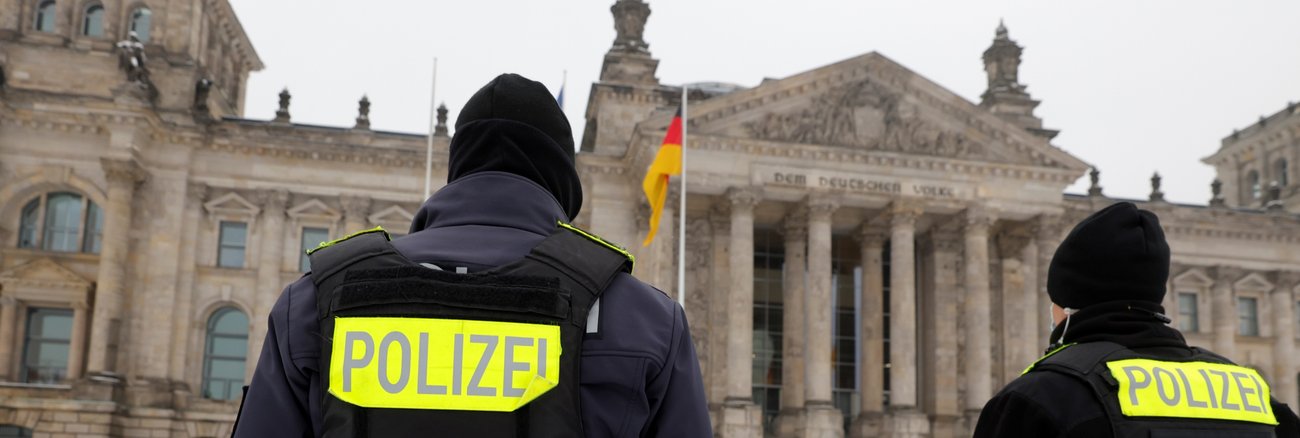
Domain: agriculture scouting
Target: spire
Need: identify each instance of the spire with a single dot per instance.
(628, 60)
(1006, 97)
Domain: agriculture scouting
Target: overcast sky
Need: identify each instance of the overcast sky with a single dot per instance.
(1134, 86)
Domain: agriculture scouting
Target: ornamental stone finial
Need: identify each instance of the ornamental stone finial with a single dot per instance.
(441, 127)
(629, 24)
(1156, 194)
(363, 113)
(1095, 176)
(282, 114)
(1216, 194)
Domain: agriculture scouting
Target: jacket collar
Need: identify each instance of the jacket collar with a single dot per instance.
(493, 199)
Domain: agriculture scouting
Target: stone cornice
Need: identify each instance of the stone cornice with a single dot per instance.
(762, 148)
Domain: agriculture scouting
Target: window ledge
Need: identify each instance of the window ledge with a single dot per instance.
(35, 385)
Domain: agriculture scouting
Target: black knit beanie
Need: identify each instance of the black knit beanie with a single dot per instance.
(1118, 253)
(514, 125)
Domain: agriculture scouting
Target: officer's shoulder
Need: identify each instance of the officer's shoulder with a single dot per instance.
(642, 293)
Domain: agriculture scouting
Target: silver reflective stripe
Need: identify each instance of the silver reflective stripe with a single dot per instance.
(593, 318)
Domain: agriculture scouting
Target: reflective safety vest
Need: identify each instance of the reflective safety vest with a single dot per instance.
(412, 351)
(1201, 395)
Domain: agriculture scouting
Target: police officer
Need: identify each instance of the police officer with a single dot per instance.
(1114, 367)
(493, 317)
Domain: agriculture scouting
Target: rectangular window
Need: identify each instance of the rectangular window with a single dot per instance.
(233, 240)
(1247, 317)
(46, 346)
(769, 306)
(1188, 313)
(311, 238)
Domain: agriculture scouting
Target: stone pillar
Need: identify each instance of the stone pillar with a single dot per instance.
(942, 289)
(790, 421)
(740, 416)
(871, 365)
(905, 420)
(720, 222)
(182, 311)
(823, 419)
(1018, 316)
(8, 345)
(1225, 310)
(77, 349)
(356, 212)
(123, 176)
(270, 263)
(1047, 235)
(1284, 367)
(977, 358)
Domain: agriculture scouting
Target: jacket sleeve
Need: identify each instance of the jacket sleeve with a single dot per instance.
(278, 400)
(677, 392)
(1010, 414)
(1287, 423)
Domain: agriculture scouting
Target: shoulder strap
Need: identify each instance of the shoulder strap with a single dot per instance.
(588, 260)
(368, 249)
(1079, 359)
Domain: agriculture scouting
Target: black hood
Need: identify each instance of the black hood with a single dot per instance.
(514, 125)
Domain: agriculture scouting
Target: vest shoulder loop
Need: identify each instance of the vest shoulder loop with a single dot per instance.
(631, 260)
(324, 245)
(1045, 356)
(1079, 359)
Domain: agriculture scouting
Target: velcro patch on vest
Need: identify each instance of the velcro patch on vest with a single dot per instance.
(1200, 390)
(446, 364)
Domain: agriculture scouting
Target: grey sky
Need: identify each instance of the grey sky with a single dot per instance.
(1135, 86)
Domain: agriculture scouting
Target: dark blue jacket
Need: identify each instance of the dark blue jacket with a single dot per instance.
(639, 376)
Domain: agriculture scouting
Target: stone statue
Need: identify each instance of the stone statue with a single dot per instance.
(1216, 193)
(363, 113)
(131, 59)
(282, 114)
(202, 89)
(441, 127)
(1156, 194)
(1095, 188)
(629, 24)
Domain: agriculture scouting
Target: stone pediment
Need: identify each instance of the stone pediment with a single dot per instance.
(392, 214)
(872, 103)
(313, 209)
(44, 273)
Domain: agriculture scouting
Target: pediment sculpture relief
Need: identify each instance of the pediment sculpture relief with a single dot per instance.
(864, 115)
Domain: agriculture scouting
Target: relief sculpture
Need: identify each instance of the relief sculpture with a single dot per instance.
(864, 115)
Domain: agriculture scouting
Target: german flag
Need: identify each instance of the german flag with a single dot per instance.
(668, 162)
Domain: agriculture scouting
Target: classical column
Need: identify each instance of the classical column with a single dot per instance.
(356, 211)
(902, 306)
(8, 320)
(270, 263)
(823, 419)
(792, 324)
(720, 222)
(871, 365)
(1284, 367)
(183, 307)
(1225, 310)
(1047, 234)
(77, 349)
(1018, 316)
(123, 176)
(741, 417)
(975, 314)
(942, 291)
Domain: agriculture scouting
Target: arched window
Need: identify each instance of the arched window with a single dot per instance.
(61, 221)
(140, 23)
(224, 357)
(1252, 181)
(1280, 172)
(45, 16)
(93, 23)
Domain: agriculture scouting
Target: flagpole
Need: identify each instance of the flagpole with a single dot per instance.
(428, 152)
(681, 214)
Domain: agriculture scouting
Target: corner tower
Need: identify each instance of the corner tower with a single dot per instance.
(1006, 96)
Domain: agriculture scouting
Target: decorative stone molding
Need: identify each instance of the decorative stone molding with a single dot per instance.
(820, 206)
(795, 225)
(1286, 281)
(977, 218)
(123, 170)
(1226, 275)
(196, 191)
(1010, 241)
(355, 206)
(870, 233)
(272, 200)
(744, 197)
(231, 204)
(904, 213)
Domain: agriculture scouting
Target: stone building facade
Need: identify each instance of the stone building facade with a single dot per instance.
(866, 250)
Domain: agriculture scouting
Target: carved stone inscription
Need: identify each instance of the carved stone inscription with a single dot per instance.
(817, 179)
(864, 115)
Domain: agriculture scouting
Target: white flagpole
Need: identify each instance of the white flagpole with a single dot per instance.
(681, 214)
(428, 152)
